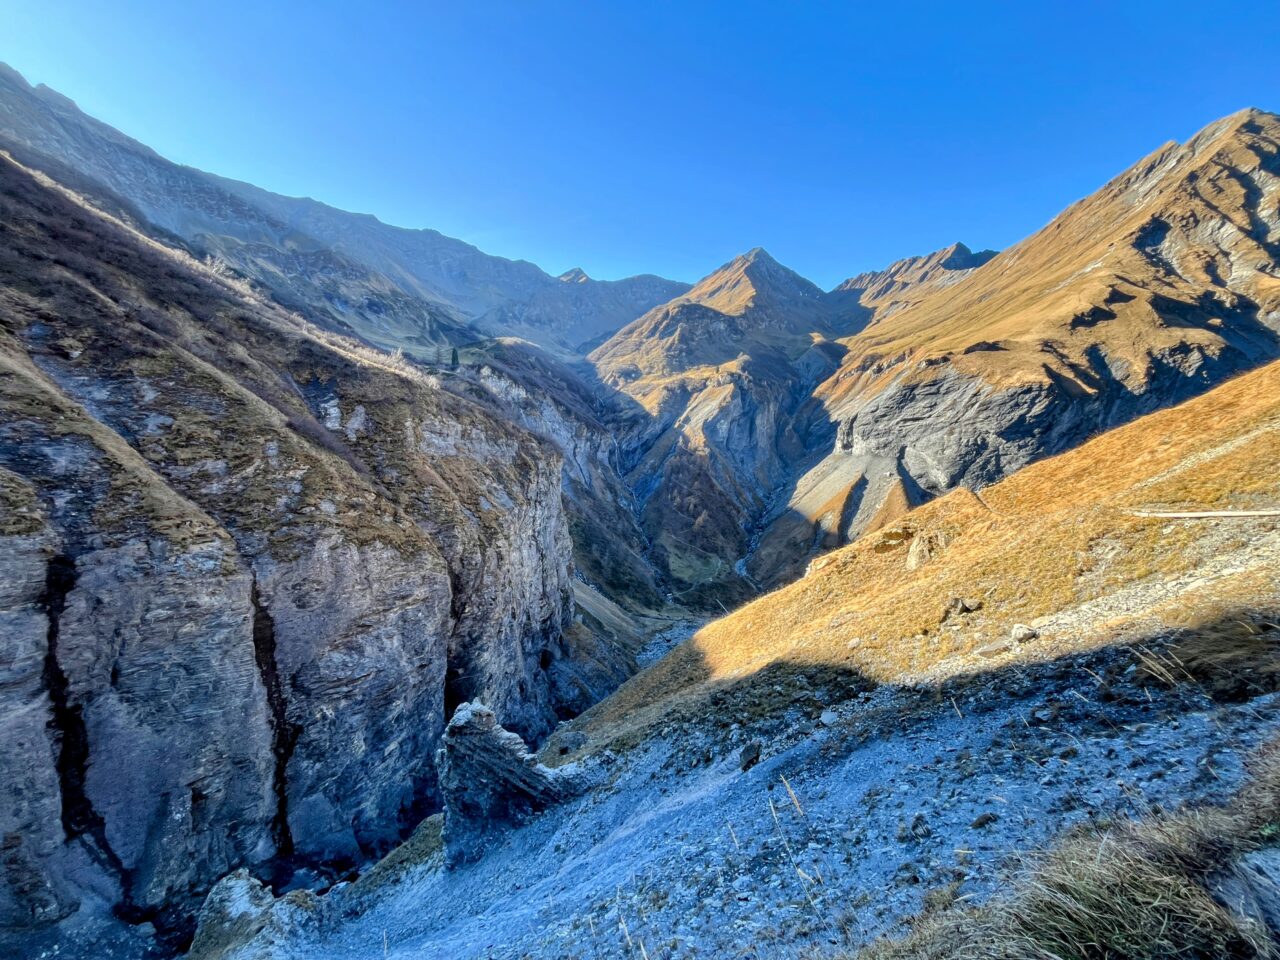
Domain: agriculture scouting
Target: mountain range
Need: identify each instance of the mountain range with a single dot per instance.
(284, 487)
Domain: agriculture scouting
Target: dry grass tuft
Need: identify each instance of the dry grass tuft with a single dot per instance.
(1130, 891)
(1234, 660)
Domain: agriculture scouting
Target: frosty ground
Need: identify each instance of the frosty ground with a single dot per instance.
(857, 811)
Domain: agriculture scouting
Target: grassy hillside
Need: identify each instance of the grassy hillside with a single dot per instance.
(1062, 546)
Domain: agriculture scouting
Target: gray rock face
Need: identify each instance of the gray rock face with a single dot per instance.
(354, 635)
(155, 650)
(954, 430)
(141, 752)
(247, 571)
(490, 782)
(31, 887)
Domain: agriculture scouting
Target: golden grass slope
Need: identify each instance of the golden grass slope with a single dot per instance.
(1057, 546)
(1180, 248)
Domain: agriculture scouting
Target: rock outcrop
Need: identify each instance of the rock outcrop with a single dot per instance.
(250, 567)
(241, 910)
(490, 782)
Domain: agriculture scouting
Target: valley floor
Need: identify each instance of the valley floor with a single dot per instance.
(857, 811)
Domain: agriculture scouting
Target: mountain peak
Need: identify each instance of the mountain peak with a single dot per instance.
(574, 275)
(930, 268)
(959, 257)
(751, 279)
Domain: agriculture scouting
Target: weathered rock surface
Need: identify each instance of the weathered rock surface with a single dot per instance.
(490, 782)
(250, 568)
(31, 888)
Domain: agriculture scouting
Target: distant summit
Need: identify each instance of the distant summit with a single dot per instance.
(574, 275)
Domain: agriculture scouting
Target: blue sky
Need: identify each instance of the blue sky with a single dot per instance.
(660, 137)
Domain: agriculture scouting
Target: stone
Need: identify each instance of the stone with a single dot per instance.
(983, 820)
(959, 606)
(749, 756)
(1021, 633)
(994, 649)
(828, 718)
(1251, 889)
(490, 782)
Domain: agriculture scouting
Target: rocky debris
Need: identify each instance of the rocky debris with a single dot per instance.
(994, 649)
(1021, 633)
(696, 855)
(490, 782)
(749, 756)
(959, 606)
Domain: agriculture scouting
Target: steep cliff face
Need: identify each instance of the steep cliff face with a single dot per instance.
(619, 593)
(140, 746)
(253, 567)
(415, 290)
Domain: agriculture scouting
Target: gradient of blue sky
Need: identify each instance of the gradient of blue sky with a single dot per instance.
(664, 137)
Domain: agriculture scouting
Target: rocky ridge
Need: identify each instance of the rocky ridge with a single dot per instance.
(414, 290)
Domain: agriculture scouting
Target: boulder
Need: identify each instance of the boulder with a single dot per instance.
(490, 782)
